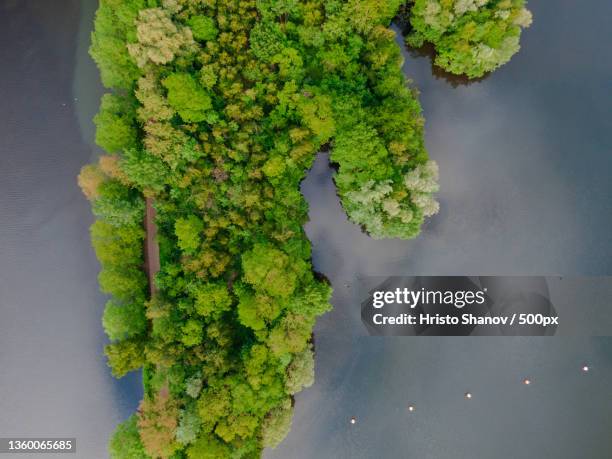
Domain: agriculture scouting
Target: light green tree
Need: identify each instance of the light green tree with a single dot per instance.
(187, 97)
(471, 37)
(115, 130)
(300, 372)
(159, 38)
(203, 28)
(276, 424)
(125, 356)
(125, 442)
(123, 321)
(188, 231)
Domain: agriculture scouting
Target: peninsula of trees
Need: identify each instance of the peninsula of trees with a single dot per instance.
(216, 111)
(470, 37)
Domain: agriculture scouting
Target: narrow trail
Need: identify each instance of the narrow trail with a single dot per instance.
(152, 263)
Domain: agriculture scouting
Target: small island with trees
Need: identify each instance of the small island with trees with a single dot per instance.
(215, 113)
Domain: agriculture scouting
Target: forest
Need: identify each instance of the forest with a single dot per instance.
(215, 112)
(470, 37)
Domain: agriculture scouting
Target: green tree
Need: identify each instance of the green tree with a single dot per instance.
(119, 246)
(203, 28)
(208, 447)
(290, 335)
(146, 171)
(125, 442)
(118, 205)
(125, 284)
(192, 333)
(125, 356)
(114, 26)
(115, 128)
(188, 231)
(276, 425)
(300, 372)
(470, 37)
(270, 270)
(255, 311)
(212, 299)
(187, 97)
(124, 321)
(267, 40)
(189, 425)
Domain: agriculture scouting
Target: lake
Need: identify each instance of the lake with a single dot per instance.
(54, 379)
(525, 169)
(525, 158)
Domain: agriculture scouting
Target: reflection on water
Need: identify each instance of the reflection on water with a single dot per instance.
(53, 380)
(525, 163)
(427, 50)
(402, 27)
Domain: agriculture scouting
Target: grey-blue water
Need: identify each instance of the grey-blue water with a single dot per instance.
(525, 159)
(53, 375)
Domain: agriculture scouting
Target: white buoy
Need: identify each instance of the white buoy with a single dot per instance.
(585, 368)
(353, 420)
(411, 408)
(468, 395)
(526, 381)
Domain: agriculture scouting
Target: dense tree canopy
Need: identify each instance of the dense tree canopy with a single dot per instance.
(125, 442)
(470, 37)
(217, 111)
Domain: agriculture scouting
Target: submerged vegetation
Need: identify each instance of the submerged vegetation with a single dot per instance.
(216, 113)
(470, 37)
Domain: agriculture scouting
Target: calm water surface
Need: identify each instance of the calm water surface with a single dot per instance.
(53, 377)
(525, 159)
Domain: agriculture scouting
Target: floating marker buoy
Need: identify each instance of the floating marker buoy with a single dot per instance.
(353, 420)
(411, 408)
(585, 368)
(526, 381)
(468, 395)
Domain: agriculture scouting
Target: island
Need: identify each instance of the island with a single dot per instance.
(214, 114)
